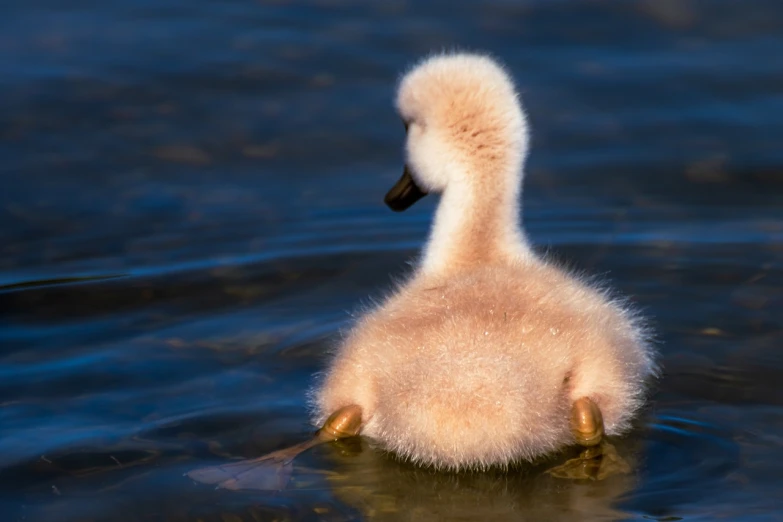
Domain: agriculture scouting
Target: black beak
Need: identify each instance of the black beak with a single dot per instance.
(404, 193)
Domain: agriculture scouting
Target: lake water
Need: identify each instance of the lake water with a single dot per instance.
(191, 208)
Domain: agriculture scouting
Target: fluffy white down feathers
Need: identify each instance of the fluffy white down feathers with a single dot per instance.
(476, 359)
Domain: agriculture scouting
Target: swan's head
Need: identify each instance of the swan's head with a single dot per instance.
(465, 125)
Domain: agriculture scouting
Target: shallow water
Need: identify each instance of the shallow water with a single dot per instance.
(191, 208)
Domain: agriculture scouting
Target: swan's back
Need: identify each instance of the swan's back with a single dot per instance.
(478, 367)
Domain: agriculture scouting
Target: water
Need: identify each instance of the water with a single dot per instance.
(191, 208)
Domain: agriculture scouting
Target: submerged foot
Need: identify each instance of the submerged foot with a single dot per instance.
(599, 459)
(595, 463)
(272, 471)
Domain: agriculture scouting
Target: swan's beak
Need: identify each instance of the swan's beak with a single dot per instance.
(404, 193)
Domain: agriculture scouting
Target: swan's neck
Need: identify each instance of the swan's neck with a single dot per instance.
(475, 225)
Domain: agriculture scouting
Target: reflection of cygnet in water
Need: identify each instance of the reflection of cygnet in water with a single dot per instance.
(383, 489)
(488, 354)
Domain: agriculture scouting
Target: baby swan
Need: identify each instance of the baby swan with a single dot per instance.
(487, 354)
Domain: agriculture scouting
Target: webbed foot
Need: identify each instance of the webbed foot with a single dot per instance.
(600, 459)
(272, 471)
(594, 463)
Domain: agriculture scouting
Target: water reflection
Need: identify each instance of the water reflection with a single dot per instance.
(383, 489)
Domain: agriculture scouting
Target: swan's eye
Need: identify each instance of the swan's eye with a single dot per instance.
(406, 124)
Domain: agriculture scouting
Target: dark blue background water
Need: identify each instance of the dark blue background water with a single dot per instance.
(191, 207)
